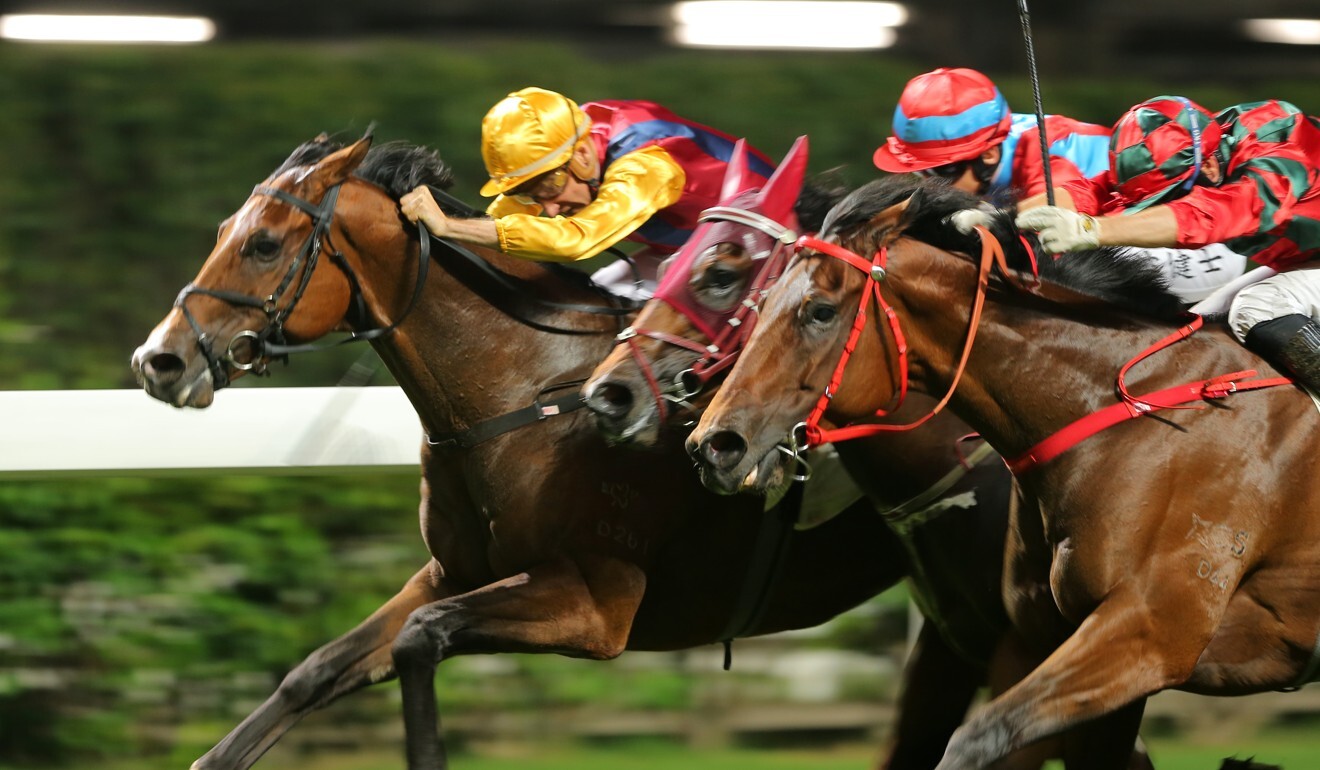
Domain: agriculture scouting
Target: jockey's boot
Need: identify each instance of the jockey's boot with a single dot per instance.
(1291, 343)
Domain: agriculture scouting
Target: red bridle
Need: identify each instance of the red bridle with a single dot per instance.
(874, 269)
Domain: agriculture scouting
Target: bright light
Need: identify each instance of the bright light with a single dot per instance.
(50, 28)
(786, 24)
(1290, 31)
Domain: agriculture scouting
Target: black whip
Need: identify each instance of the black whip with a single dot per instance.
(1025, 16)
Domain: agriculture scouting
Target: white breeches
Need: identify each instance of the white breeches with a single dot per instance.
(1193, 274)
(619, 279)
(1284, 294)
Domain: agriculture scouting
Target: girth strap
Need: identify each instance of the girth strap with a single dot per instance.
(763, 572)
(495, 426)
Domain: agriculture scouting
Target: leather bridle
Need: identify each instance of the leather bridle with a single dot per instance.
(270, 342)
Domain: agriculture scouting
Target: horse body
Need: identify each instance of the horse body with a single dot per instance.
(1174, 551)
(541, 540)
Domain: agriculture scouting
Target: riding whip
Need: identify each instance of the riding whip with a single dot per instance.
(1025, 16)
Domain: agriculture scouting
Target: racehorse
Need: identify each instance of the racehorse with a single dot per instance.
(541, 538)
(1179, 548)
(684, 338)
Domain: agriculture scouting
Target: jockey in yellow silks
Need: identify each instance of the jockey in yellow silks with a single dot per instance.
(570, 181)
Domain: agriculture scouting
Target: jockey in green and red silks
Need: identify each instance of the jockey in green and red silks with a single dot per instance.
(1248, 177)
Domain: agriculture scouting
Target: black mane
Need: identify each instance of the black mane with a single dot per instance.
(1115, 275)
(397, 167)
(819, 195)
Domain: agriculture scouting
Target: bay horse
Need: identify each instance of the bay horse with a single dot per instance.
(1179, 549)
(541, 539)
(684, 339)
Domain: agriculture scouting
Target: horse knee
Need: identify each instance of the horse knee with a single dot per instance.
(421, 640)
(308, 682)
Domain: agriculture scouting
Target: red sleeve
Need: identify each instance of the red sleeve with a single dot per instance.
(1217, 214)
(1090, 196)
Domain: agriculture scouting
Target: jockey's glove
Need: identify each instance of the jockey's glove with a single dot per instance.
(1061, 229)
(967, 220)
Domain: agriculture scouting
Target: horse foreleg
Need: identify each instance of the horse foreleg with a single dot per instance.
(351, 662)
(938, 687)
(579, 608)
(1119, 655)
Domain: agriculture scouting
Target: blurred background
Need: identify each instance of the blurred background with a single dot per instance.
(142, 617)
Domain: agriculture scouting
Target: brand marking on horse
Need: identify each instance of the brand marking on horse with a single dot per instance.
(622, 535)
(621, 494)
(1219, 540)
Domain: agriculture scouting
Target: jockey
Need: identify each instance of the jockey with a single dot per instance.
(954, 124)
(1249, 177)
(570, 182)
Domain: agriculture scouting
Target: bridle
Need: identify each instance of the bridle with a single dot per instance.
(729, 337)
(270, 342)
(808, 434)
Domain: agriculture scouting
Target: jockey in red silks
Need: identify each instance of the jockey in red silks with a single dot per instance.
(954, 124)
(1248, 177)
(570, 182)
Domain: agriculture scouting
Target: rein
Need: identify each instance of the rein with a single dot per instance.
(813, 435)
(721, 352)
(271, 343)
(1130, 407)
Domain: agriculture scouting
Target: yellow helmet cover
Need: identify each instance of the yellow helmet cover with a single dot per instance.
(528, 133)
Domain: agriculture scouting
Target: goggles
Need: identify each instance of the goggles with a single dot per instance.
(542, 188)
(949, 171)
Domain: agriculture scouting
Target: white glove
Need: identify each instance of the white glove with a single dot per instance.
(967, 220)
(1061, 229)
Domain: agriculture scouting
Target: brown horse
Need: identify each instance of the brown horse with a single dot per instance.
(688, 335)
(542, 539)
(1176, 551)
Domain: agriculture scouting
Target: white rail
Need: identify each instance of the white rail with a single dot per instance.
(67, 433)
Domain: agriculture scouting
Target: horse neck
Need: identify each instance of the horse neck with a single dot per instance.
(457, 356)
(1035, 366)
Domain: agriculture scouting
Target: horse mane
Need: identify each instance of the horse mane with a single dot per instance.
(819, 195)
(398, 167)
(1115, 275)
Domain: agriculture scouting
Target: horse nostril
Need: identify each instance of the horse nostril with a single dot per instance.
(162, 368)
(611, 399)
(723, 449)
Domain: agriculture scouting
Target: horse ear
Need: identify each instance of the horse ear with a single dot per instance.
(889, 224)
(737, 179)
(781, 193)
(335, 167)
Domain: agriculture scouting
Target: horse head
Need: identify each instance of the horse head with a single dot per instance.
(705, 306)
(283, 271)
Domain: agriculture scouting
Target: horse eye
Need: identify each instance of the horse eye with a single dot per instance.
(721, 277)
(263, 247)
(822, 313)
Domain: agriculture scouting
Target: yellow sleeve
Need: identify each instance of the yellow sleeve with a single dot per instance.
(634, 187)
(503, 206)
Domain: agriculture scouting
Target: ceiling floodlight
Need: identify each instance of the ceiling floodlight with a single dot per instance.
(818, 24)
(60, 28)
(1290, 31)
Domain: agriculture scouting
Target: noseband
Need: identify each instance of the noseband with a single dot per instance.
(721, 352)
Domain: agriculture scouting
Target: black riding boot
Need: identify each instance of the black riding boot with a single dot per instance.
(1291, 343)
